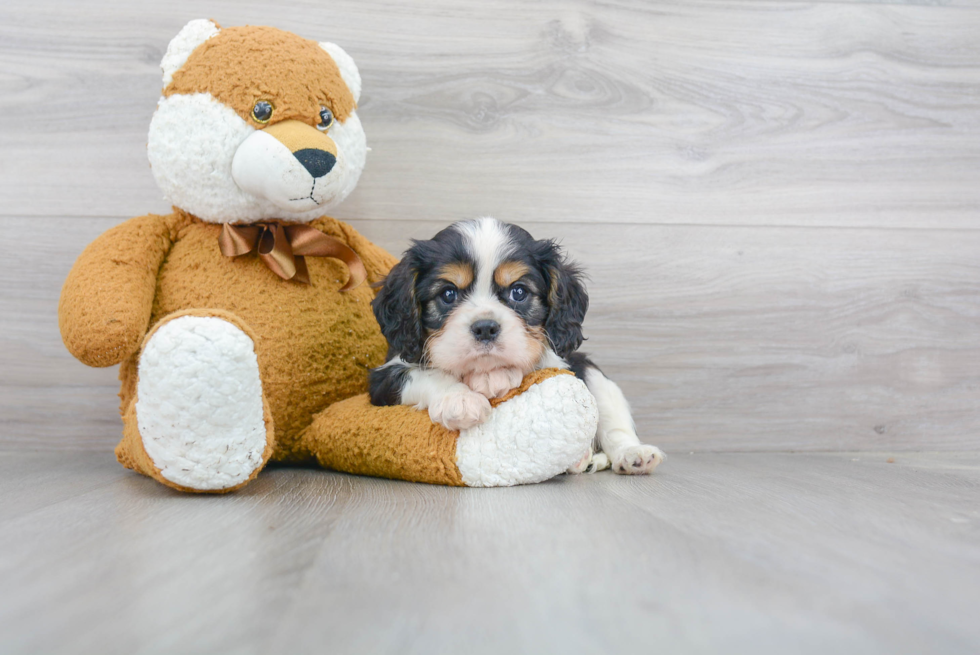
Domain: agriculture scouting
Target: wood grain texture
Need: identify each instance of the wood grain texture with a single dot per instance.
(774, 113)
(722, 338)
(734, 553)
(776, 200)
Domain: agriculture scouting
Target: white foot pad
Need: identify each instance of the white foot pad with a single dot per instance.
(199, 403)
(530, 438)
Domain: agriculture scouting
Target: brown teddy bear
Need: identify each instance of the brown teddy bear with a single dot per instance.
(242, 321)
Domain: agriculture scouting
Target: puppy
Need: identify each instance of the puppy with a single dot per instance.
(470, 312)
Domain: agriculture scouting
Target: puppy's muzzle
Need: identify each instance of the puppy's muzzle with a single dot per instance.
(485, 331)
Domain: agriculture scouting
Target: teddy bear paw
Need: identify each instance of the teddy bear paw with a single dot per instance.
(530, 438)
(199, 405)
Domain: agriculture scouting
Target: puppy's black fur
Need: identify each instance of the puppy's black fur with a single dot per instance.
(567, 299)
(409, 311)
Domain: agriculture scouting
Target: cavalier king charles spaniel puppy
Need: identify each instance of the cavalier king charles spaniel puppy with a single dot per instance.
(470, 312)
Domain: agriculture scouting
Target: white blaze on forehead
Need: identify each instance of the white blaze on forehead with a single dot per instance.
(455, 350)
(488, 243)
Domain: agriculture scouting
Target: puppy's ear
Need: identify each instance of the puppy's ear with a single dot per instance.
(397, 311)
(567, 299)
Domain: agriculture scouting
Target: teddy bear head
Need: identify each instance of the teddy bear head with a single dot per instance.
(256, 123)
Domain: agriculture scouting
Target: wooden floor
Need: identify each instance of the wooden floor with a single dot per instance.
(726, 553)
(777, 203)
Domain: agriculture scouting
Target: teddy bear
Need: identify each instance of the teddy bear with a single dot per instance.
(242, 320)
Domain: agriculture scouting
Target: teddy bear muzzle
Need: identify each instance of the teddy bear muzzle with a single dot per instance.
(288, 163)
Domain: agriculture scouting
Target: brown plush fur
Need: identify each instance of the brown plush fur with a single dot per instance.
(532, 378)
(298, 136)
(313, 343)
(234, 66)
(393, 442)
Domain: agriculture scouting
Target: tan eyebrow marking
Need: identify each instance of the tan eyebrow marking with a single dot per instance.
(510, 272)
(459, 274)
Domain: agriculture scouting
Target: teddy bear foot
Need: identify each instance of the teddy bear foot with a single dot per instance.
(200, 413)
(531, 437)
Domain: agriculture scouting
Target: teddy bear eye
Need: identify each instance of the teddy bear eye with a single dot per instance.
(262, 111)
(326, 119)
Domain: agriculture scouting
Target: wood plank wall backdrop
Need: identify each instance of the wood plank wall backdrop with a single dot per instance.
(776, 201)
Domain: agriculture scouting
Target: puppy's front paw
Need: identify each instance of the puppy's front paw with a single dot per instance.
(459, 410)
(636, 460)
(495, 383)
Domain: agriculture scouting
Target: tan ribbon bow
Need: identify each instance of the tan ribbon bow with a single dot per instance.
(283, 248)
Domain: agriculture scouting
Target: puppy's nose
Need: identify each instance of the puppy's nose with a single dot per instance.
(485, 330)
(317, 162)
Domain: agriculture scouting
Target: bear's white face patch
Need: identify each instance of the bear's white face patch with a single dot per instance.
(264, 167)
(212, 164)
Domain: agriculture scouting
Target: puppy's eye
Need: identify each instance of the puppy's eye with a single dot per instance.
(262, 111)
(518, 293)
(448, 295)
(326, 119)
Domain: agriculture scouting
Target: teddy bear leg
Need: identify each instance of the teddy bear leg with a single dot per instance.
(199, 420)
(534, 433)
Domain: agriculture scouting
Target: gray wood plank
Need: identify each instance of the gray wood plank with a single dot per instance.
(776, 113)
(922, 3)
(722, 338)
(735, 553)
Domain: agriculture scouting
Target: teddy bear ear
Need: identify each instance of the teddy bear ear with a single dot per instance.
(192, 35)
(348, 69)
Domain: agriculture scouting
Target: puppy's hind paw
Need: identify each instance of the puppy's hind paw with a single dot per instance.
(591, 463)
(600, 462)
(636, 460)
(459, 410)
(584, 465)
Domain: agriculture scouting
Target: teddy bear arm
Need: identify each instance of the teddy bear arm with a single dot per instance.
(107, 298)
(535, 432)
(396, 442)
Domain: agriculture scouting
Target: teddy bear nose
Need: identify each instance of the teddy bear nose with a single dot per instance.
(317, 162)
